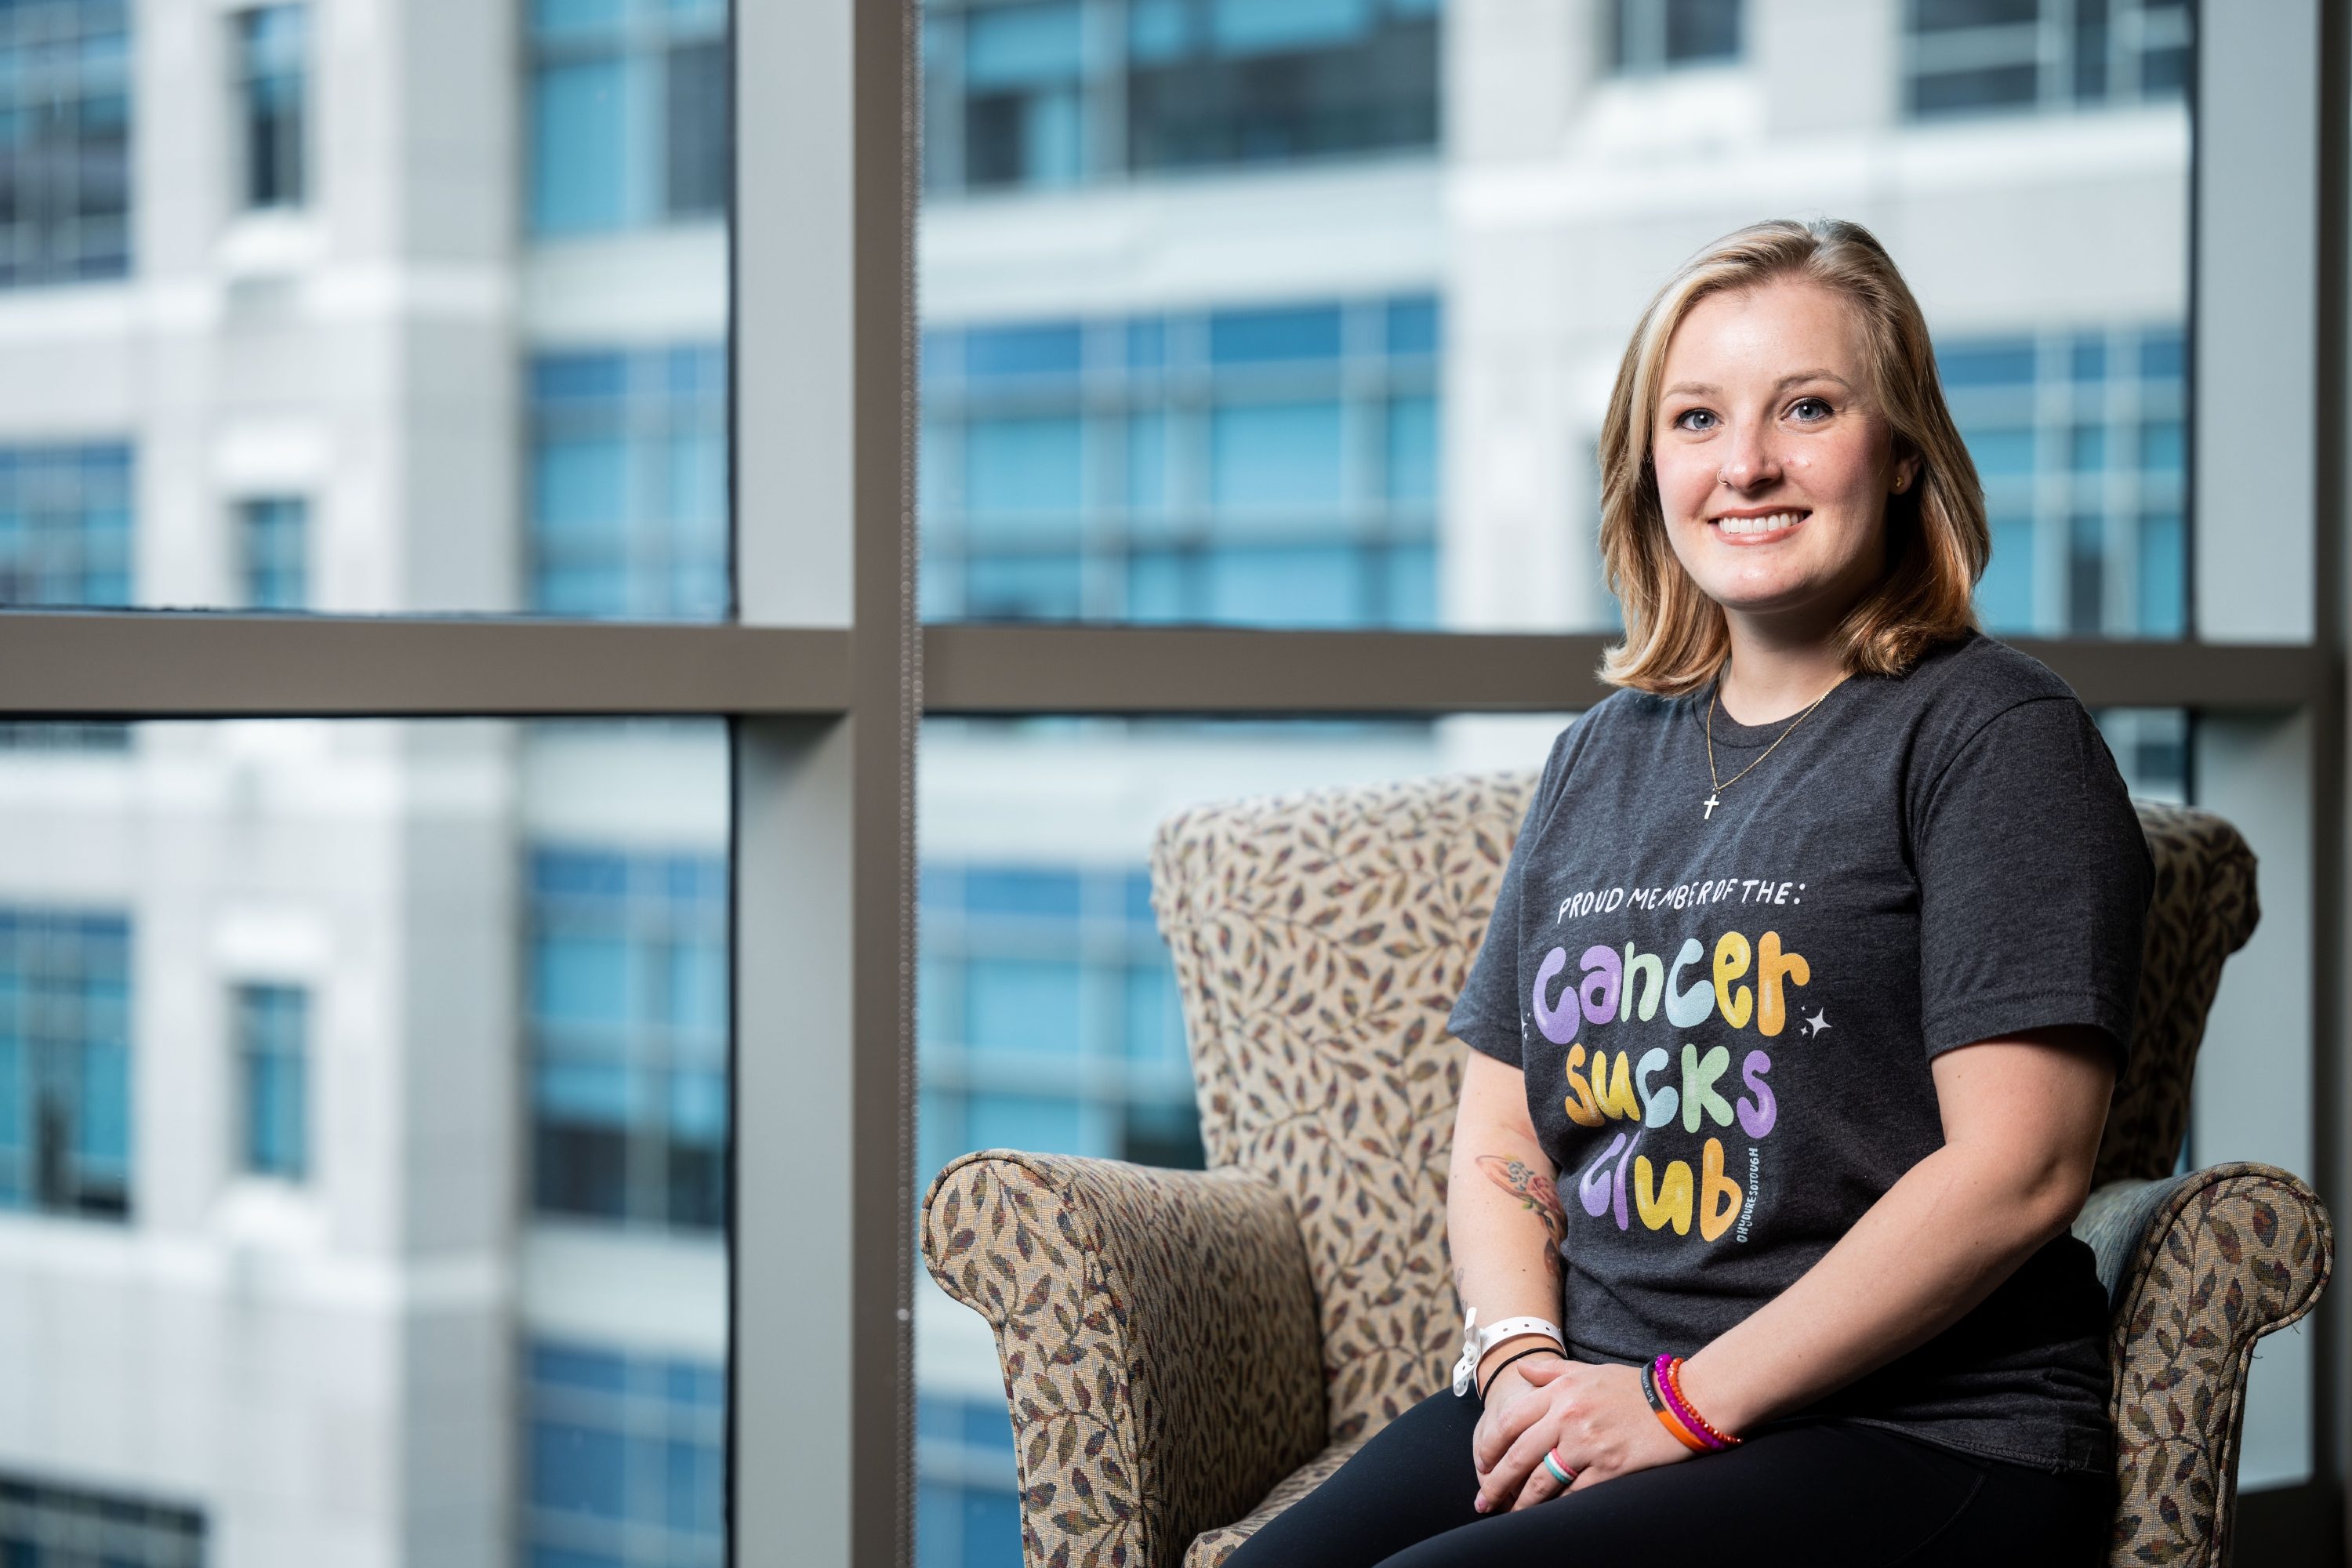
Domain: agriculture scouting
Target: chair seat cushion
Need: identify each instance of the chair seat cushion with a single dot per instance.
(1212, 1547)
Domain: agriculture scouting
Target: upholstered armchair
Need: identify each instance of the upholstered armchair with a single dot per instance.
(1186, 1353)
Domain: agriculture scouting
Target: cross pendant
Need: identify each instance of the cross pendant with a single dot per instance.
(1712, 802)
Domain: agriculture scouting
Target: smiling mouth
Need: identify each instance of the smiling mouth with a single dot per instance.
(1758, 528)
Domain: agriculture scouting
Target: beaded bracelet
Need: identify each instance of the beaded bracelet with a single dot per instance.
(1668, 1370)
(1666, 1414)
(1521, 1355)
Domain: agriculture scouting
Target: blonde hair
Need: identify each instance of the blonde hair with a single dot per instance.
(1937, 541)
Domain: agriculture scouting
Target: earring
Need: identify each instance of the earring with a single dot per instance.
(1899, 482)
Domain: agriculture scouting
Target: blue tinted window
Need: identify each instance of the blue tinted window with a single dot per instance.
(992, 1530)
(65, 142)
(987, 1424)
(627, 463)
(1155, 1030)
(1163, 586)
(580, 147)
(1146, 464)
(1986, 365)
(2005, 595)
(273, 1028)
(1655, 35)
(1022, 45)
(1016, 468)
(1158, 30)
(1315, 585)
(46, 1526)
(1272, 27)
(1124, 496)
(551, 20)
(1052, 349)
(1026, 1122)
(2076, 468)
(274, 535)
(65, 526)
(64, 1012)
(625, 1453)
(628, 115)
(1014, 891)
(272, 44)
(1273, 456)
(1413, 449)
(1139, 899)
(1250, 337)
(1413, 327)
(628, 1018)
(1980, 55)
(1022, 587)
(2163, 598)
(2002, 451)
(1147, 344)
(1013, 91)
(1025, 1004)
(1412, 586)
(2161, 356)
(2088, 453)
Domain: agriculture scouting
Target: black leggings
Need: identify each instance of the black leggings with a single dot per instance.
(1819, 1493)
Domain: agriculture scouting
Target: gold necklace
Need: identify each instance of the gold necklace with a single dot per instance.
(1714, 797)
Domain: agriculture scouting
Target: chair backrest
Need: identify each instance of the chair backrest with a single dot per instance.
(1319, 941)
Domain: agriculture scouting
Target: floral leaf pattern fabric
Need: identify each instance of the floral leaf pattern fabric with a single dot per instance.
(1211, 1549)
(1319, 941)
(1185, 1354)
(2200, 1267)
(2202, 910)
(1157, 1335)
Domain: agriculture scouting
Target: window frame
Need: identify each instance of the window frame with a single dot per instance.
(826, 674)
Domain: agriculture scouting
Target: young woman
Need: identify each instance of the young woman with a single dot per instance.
(1793, 1032)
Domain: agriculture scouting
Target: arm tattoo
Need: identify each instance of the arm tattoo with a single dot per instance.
(1535, 1194)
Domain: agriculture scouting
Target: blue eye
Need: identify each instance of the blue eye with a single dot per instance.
(1683, 420)
(1810, 408)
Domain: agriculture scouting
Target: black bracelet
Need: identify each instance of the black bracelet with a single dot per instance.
(1519, 1356)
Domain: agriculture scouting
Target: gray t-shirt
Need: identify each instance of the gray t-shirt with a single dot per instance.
(1725, 1018)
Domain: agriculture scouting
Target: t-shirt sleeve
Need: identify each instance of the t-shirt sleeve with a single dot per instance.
(1486, 1017)
(2034, 877)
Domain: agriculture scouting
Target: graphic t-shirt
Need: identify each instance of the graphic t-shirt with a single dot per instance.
(1726, 1003)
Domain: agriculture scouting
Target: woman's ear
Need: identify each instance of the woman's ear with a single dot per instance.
(1907, 467)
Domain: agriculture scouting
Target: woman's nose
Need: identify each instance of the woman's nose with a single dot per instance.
(1750, 461)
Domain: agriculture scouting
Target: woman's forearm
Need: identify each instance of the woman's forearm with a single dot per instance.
(1504, 1225)
(1940, 1241)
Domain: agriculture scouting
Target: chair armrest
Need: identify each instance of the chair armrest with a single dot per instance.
(1161, 1351)
(2198, 1267)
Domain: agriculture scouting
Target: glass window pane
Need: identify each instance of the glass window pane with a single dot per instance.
(1017, 469)
(1019, 44)
(1025, 1004)
(1195, 486)
(383, 453)
(304, 1028)
(1276, 457)
(580, 147)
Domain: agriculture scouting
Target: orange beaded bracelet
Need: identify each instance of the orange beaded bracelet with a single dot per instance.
(1670, 1377)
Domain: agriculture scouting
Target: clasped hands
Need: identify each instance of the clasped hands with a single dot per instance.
(1595, 1416)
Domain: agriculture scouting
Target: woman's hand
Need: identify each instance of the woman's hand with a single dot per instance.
(1596, 1417)
(1512, 1402)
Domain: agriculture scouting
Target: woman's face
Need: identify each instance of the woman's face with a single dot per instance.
(1774, 461)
